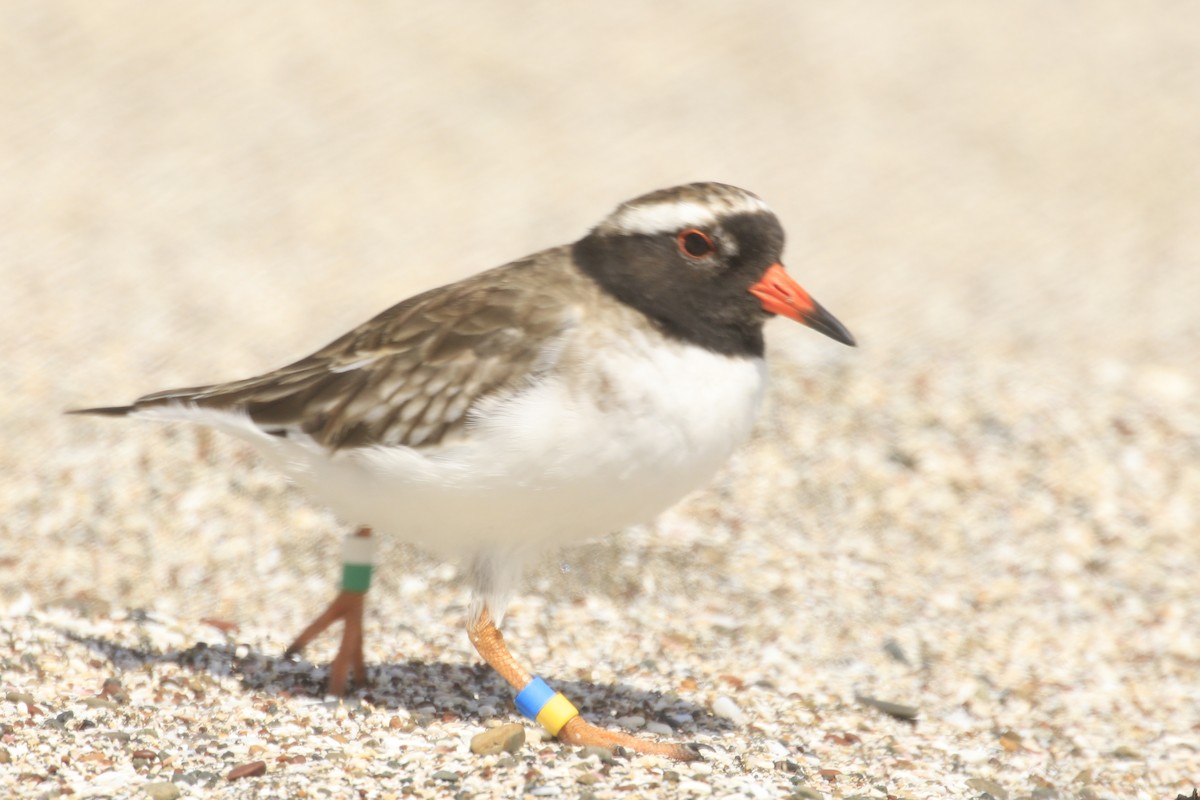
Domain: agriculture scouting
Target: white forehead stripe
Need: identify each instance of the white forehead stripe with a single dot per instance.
(673, 215)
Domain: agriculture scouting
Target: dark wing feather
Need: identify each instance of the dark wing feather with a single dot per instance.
(410, 375)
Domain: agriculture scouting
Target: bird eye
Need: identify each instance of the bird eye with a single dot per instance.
(695, 243)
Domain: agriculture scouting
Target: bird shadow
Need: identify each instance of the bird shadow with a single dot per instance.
(428, 690)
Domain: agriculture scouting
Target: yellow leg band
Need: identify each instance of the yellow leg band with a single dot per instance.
(557, 712)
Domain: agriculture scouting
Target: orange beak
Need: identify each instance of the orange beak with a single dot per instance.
(779, 294)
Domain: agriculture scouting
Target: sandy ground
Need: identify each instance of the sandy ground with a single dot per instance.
(988, 512)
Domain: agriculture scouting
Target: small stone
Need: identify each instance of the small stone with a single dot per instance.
(602, 754)
(98, 702)
(5, 756)
(689, 787)
(989, 786)
(633, 721)
(891, 646)
(445, 775)
(588, 778)
(112, 688)
(501, 739)
(161, 790)
(659, 728)
(20, 697)
(200, 776)
(1125, 751)
(725, 707)
(897, 710)
(549, 790)
(251, 769)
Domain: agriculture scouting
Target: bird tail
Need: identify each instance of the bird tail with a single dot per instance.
(105, 411)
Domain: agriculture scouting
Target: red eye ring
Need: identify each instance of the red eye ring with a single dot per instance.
(695, 243)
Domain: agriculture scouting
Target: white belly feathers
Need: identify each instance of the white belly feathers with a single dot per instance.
(635, 423)
(646, 422)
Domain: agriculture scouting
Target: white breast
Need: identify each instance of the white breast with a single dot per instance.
(631, 429)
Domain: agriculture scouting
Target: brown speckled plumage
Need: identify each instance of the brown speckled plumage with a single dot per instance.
(410, 375)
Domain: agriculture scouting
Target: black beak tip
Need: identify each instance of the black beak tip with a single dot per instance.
(845, 337)
(828, 324)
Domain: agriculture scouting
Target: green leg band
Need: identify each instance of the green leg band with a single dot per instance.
(356, 577)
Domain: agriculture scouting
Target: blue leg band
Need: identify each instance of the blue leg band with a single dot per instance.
(545, 706)
(533, 697)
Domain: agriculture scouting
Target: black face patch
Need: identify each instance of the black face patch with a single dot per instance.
(656, 274)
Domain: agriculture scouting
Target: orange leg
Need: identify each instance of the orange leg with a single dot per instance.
(348, 607)
(489, 643)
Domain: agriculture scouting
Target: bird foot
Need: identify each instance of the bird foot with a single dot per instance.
(581, 733)
(348, 607)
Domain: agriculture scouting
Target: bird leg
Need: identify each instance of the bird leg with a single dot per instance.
(357, 554)
(489, 643)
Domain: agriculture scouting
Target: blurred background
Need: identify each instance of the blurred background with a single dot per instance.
(1001, 201)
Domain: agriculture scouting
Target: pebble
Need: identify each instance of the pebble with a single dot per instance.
(98, 702)
(896, 651)
(660, 728)
(251, 769)
(632, 722)
(161, 790)
(897, 710)
(112, 689)
(502, 739)
(601, 754)
(988, 786)
(725, 707)
(694, 788)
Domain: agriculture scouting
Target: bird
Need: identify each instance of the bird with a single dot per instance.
(562, 396)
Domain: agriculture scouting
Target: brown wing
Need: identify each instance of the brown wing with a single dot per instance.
(410, 375)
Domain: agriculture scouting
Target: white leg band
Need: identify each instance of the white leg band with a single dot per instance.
(359, 549)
